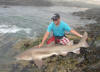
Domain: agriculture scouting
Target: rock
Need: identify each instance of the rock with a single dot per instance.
(86, 61)
(97, 43)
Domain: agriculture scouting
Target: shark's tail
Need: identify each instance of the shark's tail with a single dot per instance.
(83, 40)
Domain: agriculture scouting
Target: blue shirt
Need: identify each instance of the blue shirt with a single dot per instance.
(60, 29)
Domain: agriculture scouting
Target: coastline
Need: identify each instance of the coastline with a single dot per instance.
(87, 60)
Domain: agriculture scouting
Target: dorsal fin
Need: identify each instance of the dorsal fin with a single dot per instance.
(85, 36)
(83, 40)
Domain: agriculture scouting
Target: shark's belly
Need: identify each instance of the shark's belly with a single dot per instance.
(41, 56)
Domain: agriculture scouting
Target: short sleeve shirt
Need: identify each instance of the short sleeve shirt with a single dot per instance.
(60, 29)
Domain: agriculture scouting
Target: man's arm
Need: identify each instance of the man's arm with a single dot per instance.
(44, 38)
(67, 28)
(75, 32)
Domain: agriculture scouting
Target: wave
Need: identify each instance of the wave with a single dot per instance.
(13, 29)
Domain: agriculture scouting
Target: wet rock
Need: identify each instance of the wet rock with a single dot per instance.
(97, 43)
(70, 63)
(27, 43)
(93, 68)
(24, 66)
(86, 61)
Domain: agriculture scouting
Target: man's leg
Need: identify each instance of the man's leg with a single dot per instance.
(64, 41)
(51, 39)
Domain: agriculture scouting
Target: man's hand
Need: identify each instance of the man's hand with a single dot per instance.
(44, 38)
(76, 33)
(81, 36)
(40, 45)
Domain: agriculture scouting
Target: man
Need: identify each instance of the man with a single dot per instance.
(58, 27)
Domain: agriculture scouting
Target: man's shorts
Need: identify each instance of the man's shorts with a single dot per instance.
(62, 41)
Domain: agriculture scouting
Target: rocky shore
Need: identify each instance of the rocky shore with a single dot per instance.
(87, 61)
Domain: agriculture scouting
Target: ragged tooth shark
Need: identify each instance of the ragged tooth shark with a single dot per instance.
(37, 54)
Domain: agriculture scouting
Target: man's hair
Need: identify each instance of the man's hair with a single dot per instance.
(55, 17)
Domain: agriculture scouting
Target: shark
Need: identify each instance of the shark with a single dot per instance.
(38, 54)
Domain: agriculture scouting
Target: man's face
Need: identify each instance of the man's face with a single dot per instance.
(57, 21)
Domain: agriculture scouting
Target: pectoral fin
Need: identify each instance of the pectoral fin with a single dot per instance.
(77, 51)
(63, 53)
(38, 63)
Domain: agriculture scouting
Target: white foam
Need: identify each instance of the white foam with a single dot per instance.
(12, 29)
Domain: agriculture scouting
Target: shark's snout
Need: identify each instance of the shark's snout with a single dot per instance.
(23, 58)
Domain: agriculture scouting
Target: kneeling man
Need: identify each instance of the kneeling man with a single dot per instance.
(58, 27)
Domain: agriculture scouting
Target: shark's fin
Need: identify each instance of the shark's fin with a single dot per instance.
(83, 40)
(85, 36)
(63, 54)
(38, 63)
(77, 51)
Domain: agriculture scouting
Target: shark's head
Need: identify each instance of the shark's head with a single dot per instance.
(23, 57)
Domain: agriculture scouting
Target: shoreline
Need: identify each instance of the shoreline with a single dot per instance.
(87, 60)
(91, 28)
